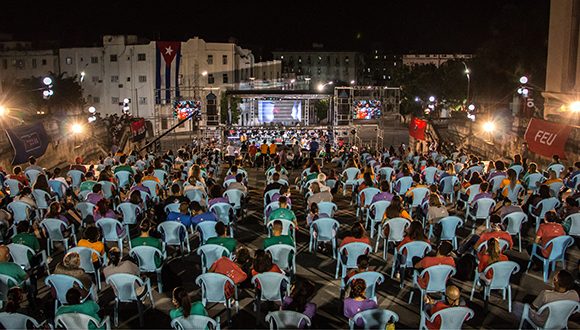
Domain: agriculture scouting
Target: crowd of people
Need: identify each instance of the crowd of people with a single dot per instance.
(413, 204)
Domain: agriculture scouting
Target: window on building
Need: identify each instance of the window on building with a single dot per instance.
(209, 59)
(5, 64)
(68, 60)
(224, 59)
(96, 99)
(141, 57)
(346, 60)
(113, 58)
(34, 63)
(225, 78)
(164, 123)
(337, 61)
(20, 64)
(142, 100)
(210, 79)
(142, 79)
(114, 79)
(115, 100)
(94, 59)
(95, 79)
(43, 61)
(299, 59)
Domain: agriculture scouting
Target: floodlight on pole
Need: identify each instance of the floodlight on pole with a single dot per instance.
(575, 106)
(3, 111)
(431, 98)
(77, 128)
(489, 126)
(47, 81)
(523, 80)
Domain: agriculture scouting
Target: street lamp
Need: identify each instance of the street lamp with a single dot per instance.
(321, 85)
(467, 73)
(575, 106)
(3, 111)
(77, 128)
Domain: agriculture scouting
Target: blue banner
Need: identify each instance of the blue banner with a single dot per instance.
(27, 140)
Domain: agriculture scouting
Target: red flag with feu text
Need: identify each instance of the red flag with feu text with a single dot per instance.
(547, 138)
(417, 128)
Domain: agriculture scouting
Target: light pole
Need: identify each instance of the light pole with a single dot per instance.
(467, 72)
(321, 86)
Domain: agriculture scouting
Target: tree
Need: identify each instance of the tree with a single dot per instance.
(321, 109)
(234, 108)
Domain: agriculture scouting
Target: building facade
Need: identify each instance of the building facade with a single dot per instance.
(321, 66)
(563, 63)
(433, 59)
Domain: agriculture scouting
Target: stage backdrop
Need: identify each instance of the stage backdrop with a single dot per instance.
(547, 138)
(27, 140)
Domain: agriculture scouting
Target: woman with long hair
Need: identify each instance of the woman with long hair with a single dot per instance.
(263, 263)
(357, 301)
(184, 306)
(492, 255)
(396, 209)
(509, 184)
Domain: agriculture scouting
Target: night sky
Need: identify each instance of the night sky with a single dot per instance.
(399, 26)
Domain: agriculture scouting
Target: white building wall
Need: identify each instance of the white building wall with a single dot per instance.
(23, 64)
(434, 59)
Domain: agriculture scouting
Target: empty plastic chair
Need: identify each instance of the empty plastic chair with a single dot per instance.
(287, 320)
(55, 230)
(451, 318)
(175, 234)
(374, 318)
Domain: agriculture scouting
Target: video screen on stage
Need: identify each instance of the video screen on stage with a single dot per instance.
(367, 109)
(279, 111)
(183, 109)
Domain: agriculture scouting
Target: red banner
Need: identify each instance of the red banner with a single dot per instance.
(547, 138)
(138, 129)
(417, 128)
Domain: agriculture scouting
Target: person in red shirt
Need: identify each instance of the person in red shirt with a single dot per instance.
(357, 234)
(492, 254)
(19, 175)
(495, 231)
(443, 257)
(452, 299)
(232, 269)
(548, 230)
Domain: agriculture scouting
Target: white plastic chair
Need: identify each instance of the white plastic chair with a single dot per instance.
(173, 207)
(349, 176)
(124, 178)
(125, 289)
(518, 168)
(268, 196)
(85, 209)
(449, 183)
(495, 183)
(410, 250)
(556, 188)
(418, 197)
(451, 318)
(429, 174)
(13, 186)
(213, 291)
(109, 189)
(328, 208)
(175, 234)
(153, 186)
(76, 177)
(111, 228)
(61, 284)
(484, 208)
(145, 256)
(54, 228)
(287, 320)
(86, 255)
(20, 211)
(195, 322)
(284, 256)
(558, 253)
(449, 226)
(374, 318)
(532, 180)
(74, 321)
(32, 175)
(403, 184)
(348, 255)
(558, 314)
(20, 252)
(42, 199)
(21, 321)
(514, 225)
(544, 205)
(206, 230)
(438, 276)
(502, 272)
(558, 168)
(514, 194)
(372, 281)
(574, 224)
(369, 193)
(376, 214)
(323, 230)
(129, 211)
(270, 286)
(397, 227)
(210, 253)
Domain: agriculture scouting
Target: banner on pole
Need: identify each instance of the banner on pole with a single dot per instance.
(27, 140)
(547, 138)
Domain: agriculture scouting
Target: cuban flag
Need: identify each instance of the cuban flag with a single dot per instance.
(167, 71)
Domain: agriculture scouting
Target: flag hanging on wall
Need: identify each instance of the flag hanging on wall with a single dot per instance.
(417, 128)
(167, 71)
(27, 140)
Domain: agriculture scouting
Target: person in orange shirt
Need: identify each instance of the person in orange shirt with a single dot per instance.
(232, 269)
(509, 183)
(443, 257)
(273, 147)
(550, 229)
(92, 241)
(552, 178)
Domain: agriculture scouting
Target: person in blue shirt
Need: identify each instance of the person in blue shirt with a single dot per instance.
(199, 215)
(183, 216)
(313, 148)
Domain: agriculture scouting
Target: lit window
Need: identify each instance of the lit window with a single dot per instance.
(68, 60)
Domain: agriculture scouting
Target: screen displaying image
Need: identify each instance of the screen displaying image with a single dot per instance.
(183, 109)
(367, 109)
(278, 111)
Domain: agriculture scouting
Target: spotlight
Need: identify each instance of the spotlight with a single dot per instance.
(77, 128)
(489, 127)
